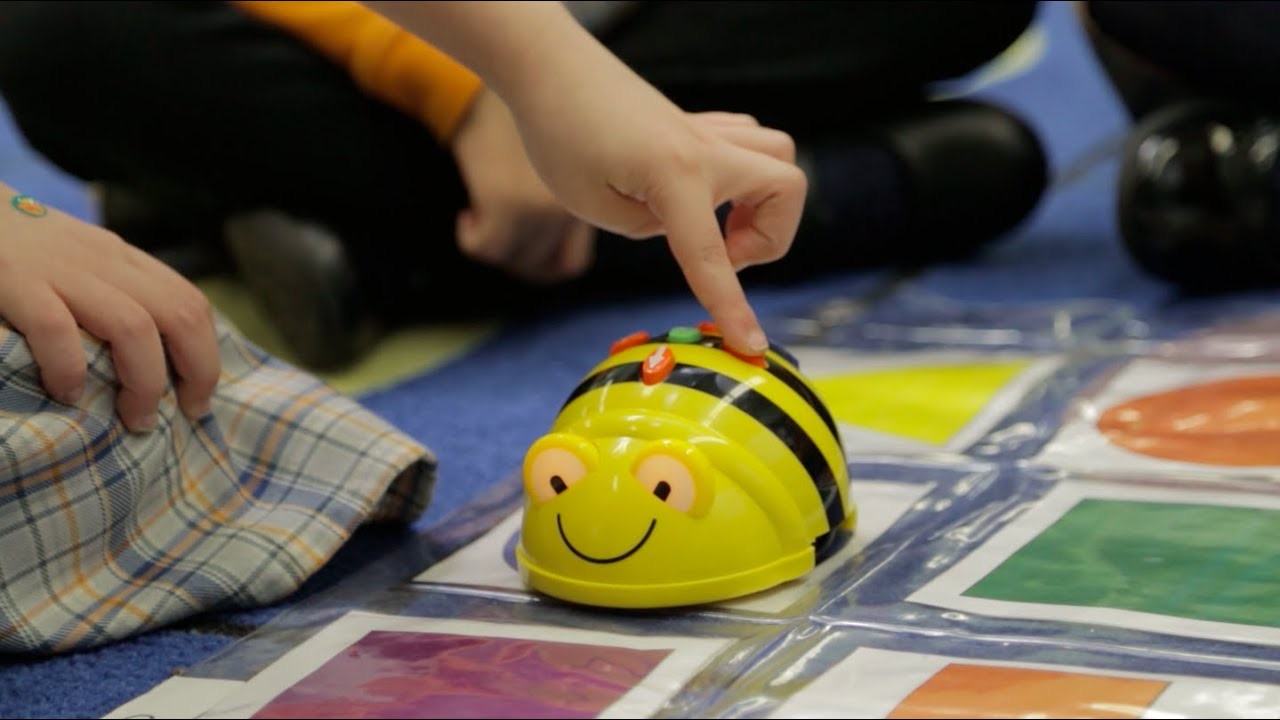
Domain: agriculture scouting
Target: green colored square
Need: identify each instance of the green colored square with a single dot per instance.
(1202, 562)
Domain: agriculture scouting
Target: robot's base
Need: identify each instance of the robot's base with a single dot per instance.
(711, 590)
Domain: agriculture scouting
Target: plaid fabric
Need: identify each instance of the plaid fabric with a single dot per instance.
(104, 533)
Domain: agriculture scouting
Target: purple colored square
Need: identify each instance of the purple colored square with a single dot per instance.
(431, 675)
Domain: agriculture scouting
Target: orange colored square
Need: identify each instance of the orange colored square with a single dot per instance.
(982, 691)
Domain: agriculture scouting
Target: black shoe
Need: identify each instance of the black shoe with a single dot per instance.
(1197, 196)
(935, 183)
(184, 235)
(301, 274)
(974, 171)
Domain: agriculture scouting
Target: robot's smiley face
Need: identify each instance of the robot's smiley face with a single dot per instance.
(605, 508)
(609, 560)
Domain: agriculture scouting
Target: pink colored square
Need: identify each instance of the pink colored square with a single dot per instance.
(430, 675)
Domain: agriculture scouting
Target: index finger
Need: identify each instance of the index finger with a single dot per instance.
(185, 322)
(768, 197)
(686, 211)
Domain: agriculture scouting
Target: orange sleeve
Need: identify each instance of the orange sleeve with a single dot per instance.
(388, 62)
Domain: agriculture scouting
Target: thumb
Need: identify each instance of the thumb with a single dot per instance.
(477, 239)
(465, 227)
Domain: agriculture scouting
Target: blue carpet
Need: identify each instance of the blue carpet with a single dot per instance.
(480, 412)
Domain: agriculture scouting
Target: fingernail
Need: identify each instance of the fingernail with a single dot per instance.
(757, 342)
(201, 410)
(72, 397)
(148, 423)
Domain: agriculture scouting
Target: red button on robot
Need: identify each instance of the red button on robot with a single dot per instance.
(757, 360)
(636, 338)
(658, 366)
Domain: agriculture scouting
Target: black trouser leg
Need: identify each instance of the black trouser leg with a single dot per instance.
(811, 67)
(1223, 49)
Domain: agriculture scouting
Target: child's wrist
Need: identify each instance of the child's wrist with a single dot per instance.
(550, 63)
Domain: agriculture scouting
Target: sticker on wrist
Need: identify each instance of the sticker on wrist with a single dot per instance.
(29, 206)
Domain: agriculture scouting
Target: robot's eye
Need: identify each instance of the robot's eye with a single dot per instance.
(669, 479)
(553, 471)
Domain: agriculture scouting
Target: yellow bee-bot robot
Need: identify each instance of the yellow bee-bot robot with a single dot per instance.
(679, 473)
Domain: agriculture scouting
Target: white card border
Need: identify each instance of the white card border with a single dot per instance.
(947, 589)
